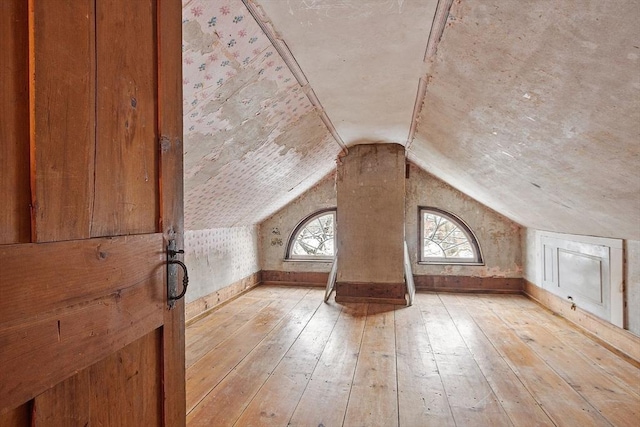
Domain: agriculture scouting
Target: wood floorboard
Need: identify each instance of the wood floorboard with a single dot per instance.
(618, 369)
(218, 326)
(559, 399)
(607, 397)
(519, 404)
(374, 396)
(203, 376)
(471, 398)
(277, 399)
(279, 356)
(324, 401)
(421, 397)
(226, 402)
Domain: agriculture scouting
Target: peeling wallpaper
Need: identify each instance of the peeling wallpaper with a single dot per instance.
(253, 140)
(219, 257)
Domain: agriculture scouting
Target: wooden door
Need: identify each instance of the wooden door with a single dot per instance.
(91, 192)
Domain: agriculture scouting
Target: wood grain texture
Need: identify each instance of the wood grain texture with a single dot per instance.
(16, 417)
(308, 278)
(219, 326)
(126, 386)
(67, 403)
(279, 395)
(205, 374)
(468, 284)
(332, 378)
(63, 134)
(126, 172)
(78, 336)
(374, 394)
(47, 277)
(421, 396)
(616, 405)
(226, 403)
(454, 359)
(384, 293)
(471, 397)
(545, 384)
(517, 401)
(171, 202)
(123, 389)
(15, 223)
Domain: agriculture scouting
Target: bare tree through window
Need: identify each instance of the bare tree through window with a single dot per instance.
(444, 238)
(315, 237)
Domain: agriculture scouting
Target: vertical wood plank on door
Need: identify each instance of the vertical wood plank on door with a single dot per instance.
(374, 398)
(63, 133)
(171, 203)
(16, 417)
(65, 404)
(15, 223)
(126, 172)
(126, 387)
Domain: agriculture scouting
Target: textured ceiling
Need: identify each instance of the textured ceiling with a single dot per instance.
(532, 108)
(363, 58)
(253, 140)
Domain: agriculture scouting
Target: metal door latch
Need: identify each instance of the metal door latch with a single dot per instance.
(172, 274)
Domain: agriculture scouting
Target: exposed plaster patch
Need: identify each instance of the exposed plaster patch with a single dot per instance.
(196, 39)
(302, 135)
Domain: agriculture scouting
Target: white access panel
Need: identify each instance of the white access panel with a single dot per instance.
(584, 270)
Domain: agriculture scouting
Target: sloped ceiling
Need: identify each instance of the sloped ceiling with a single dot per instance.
(532, 108)
(253, 140)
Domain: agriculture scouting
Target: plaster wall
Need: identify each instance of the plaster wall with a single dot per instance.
(276, 230)
(219, 257)
(499, 238)
(370, 219)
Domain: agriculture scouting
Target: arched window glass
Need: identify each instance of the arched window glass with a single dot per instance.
(444, 238)
(314, 237)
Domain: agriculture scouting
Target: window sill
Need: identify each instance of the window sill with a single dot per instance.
(472, 263)
(322, 260)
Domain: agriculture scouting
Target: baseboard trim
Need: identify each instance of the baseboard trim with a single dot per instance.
(394, 301)
(305, 278)
(200, 307)
(618, 340)
(383, 293)
(470, 284)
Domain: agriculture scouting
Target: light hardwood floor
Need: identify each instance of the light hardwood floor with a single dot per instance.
(279, 356)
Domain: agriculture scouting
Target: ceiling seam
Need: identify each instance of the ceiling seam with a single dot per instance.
(437, 29)
(287, 56)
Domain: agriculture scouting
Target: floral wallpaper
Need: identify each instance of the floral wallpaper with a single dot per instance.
(253, 140)
(220, 257)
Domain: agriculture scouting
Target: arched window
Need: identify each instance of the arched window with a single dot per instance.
(314, 237)
(446, 239)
